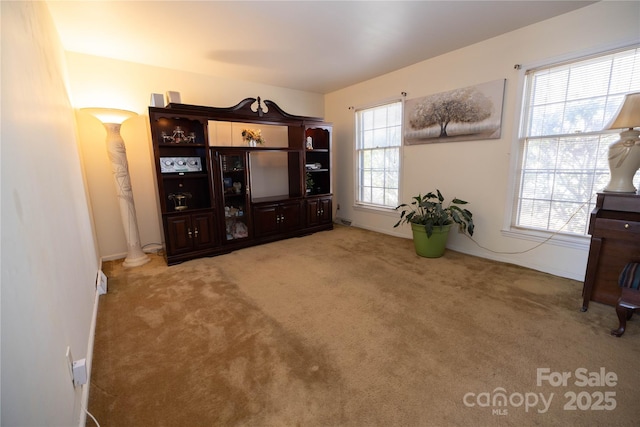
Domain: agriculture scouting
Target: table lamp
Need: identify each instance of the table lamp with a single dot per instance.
(112, 119)
(624, 154)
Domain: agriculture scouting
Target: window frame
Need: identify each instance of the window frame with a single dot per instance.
(510, 229)
(360, 205)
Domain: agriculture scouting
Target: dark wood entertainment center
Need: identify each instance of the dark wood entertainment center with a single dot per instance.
(218, 194)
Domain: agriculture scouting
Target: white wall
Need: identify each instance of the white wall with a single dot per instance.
(49, 257)
(102, 82)
(476, 171)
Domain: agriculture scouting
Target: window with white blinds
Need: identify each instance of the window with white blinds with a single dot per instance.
(378, 141)
(562, 145)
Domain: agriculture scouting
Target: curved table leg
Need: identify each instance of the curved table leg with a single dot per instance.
(623, 314)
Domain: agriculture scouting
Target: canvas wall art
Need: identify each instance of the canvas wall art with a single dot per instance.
(469, 113)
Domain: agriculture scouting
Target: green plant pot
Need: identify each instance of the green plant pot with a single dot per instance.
(430, 247)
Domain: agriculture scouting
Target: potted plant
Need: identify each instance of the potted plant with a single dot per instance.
(431, 221)
(309, 183)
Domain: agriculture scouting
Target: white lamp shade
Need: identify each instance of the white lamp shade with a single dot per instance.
(110, 115)
(628, 116)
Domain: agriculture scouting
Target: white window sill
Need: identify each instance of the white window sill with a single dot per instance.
(376, 209)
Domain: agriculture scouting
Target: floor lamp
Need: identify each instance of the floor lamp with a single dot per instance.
(624, 155)
(112, 119)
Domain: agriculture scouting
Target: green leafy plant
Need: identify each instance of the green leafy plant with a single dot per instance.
(309, 182)
(428, 210)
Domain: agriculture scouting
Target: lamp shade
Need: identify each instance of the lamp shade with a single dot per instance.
(110, 115)
(628, 116)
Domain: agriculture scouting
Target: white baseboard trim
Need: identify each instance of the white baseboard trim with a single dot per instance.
(150, 248)
(84, 399)
(567, 274)
(113, 257)
(495, 257)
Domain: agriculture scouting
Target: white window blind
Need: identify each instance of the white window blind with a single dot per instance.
(378, 141)
(563, 147)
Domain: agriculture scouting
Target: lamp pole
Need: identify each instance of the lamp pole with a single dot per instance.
(111, 120)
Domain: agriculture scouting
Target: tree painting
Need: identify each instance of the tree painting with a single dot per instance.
(466, 113)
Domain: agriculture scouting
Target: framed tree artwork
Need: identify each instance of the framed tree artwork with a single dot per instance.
(465, 114)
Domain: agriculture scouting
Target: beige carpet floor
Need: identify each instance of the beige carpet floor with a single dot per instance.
(350, 328)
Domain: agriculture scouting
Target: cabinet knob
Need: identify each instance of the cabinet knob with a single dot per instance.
(627, 226)
(189, 233)
(196, 232)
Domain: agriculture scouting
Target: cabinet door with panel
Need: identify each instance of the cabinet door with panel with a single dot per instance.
(318, 211)
(276, 218)
(235, 194)
(204, 234)
(186, 233)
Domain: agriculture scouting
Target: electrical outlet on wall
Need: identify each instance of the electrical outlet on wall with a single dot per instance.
(80, 372)
(101, 283)
(77, 369)
(69, 360)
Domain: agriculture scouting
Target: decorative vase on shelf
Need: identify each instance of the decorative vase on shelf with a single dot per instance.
(253, 137)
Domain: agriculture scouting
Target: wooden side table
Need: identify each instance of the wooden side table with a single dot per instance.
(614, 227)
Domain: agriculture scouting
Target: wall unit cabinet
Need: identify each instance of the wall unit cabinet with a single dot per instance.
(217, 193)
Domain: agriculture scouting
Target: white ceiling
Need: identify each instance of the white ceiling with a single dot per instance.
(315, 46)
